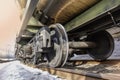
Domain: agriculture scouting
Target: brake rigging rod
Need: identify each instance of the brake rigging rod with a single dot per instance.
(85, 44)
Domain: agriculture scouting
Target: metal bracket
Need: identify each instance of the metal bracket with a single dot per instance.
(42, 17)
(113, 19)
(29, 9)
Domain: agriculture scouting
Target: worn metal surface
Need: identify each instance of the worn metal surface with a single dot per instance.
(64, 10)
(56, 9)
(104, 45)
(100, 8)
(60, 12)
(30, 7)
(60, 42)
(68, 75)
(82, 45)
(87, 70)
(34, 22)
(115, 31)
(50, 43)
(115, 55)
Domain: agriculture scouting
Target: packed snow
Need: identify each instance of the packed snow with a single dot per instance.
(17, 71)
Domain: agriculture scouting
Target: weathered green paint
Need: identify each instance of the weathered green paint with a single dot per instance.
(34, 22)
(98, 9)
(26, 36)
(33, 30)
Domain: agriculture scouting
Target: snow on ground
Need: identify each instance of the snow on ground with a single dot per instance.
(16, 71)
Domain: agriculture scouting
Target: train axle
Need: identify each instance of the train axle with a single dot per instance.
(51, 43)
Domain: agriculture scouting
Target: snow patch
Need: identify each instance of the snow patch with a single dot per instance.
(16, 71)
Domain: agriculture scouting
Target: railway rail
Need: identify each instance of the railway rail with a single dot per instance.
(85, 70)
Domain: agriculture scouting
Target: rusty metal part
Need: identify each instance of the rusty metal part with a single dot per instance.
(69, 75)
(81, 44)
(91, 70)
(59, 40)
(29, 9)
(105, 45)
(41, 43)
(93, 14)
(63, 10)
(52, 42)
(42, 4)
(117, 35)
(27, 49)
(76, 51)
(24, 52)
(56, 9)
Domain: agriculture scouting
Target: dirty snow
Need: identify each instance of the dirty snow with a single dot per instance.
(16, 71)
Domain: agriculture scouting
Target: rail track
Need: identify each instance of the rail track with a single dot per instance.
(85, 70)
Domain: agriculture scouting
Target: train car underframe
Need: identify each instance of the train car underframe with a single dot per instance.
(55, 46)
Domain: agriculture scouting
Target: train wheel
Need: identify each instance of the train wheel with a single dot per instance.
(104, 45)
(59, 40)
